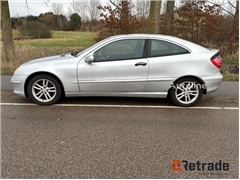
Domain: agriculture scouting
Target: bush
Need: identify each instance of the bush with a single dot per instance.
(35, 29)
(75, 22)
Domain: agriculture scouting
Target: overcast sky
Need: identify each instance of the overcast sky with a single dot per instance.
(36, 7)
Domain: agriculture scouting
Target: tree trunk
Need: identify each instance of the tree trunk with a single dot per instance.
(154, 17)
(169, 17)
(125, 16)
(7, 36)
(234, 40)
(237, 10)
(157, 16)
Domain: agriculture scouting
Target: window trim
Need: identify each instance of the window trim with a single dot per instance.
(145, 50)
(170, 54)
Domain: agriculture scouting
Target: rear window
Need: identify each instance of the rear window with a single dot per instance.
(164, 48)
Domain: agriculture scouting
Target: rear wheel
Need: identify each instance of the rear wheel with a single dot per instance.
(186, 92)
(44, 90)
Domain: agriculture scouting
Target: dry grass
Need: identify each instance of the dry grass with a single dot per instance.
(27, 49)
(16, 35)
(230, 77)
(24, 54)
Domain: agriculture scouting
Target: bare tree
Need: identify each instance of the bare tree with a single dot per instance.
(7, 36)
(27, 7)
(157, 15)
(169, 16)
(91, 9)
(120, 3)
(142, 8)
(78, 7)
(235, 29)
(86, 9)
(237, 10)
(223, 6)
(154, 17)
(117, 3)
(234, 39)
(57, 8)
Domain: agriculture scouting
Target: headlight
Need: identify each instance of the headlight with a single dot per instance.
(15, 71)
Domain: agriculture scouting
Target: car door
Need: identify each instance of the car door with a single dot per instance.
(166, 60)
(120, 66)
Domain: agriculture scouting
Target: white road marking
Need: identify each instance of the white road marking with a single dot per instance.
(231, 108)
(17, 104)
(206, 107)
(123, 106)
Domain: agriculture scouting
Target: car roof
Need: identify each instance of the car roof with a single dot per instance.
(155, 36)
(142, 35)
(187, 44)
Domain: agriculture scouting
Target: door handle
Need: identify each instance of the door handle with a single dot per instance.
(141, 64)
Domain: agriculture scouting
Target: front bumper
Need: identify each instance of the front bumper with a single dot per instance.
(18, 84)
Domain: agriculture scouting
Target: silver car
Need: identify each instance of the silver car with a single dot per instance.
(135, 65)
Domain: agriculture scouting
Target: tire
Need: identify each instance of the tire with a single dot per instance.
(186, 92)
(44, 90)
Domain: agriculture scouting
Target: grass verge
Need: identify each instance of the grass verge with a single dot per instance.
(230, 77)
(61, 39)
(62, 42)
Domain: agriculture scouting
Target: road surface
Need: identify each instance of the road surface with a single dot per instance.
(118, 137)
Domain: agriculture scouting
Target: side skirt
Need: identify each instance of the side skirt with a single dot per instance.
(118, 94)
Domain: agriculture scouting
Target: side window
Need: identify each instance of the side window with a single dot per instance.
(121, 50)
(163, 48)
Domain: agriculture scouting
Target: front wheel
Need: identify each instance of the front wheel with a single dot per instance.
(44, 90)
(186, 92)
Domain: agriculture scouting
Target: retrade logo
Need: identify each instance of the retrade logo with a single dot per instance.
(178, 165)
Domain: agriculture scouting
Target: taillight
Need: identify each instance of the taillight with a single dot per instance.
(217, 61)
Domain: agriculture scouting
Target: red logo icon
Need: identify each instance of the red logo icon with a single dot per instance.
(176, 165)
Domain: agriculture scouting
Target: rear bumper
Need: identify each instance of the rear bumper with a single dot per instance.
(18, 84)
(213, 83)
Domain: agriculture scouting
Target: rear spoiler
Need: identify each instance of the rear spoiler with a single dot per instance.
(216, 54)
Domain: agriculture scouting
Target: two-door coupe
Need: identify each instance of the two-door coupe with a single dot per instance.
(135, 65)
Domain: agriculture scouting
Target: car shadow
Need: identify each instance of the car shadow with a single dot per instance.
(117, 101)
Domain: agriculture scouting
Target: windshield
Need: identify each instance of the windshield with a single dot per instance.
(93, 46)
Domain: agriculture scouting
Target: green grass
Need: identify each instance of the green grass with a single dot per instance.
(230, 77)
(6, 71)
(61, 39)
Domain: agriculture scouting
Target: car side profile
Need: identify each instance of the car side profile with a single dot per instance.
(134, 65)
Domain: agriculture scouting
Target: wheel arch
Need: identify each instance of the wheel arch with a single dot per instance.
(42, 73)
(189, 76)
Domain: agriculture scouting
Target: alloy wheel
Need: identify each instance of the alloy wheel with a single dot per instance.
(187, 92)
(44, 90)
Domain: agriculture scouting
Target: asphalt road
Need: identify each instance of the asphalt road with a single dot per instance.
(118, 137)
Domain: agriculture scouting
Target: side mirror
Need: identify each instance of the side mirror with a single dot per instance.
(89, 59)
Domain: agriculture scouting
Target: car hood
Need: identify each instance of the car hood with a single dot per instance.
(47, 64)
(52, 58)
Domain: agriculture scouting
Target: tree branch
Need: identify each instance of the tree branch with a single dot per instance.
(46, 2)
(221, 8)
(231, 4)
(26, 6)
(115, 5)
